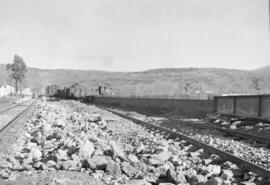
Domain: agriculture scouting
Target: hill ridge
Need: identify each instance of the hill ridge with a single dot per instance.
(162, 81)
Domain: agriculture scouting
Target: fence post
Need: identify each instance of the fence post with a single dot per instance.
(234, 104)
(260, 107)
(215, 104)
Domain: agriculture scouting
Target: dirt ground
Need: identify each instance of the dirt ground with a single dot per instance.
(53, 178)
(255, 127)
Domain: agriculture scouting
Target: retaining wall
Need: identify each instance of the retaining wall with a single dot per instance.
(185, 108)
(246, 105)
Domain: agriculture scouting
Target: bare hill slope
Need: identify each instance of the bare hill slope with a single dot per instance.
(164, 81)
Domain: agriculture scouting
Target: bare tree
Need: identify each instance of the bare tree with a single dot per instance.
(17, 71)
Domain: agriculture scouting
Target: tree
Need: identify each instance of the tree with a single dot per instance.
(17, 71)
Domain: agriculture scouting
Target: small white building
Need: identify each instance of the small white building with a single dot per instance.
(6, 90)
(26, 92)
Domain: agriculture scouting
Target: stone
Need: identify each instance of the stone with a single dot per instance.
(235, 123)
(35, 154)
(65, 181)
(70, 165)
(207, 161)
(225, 123)
(129, 170)
(161, 171)
(155, 162)
(137, 182)
(159, 159)
(4, 173)
(226, 174)
(71, 150)
(140, 148)
(233, 127)
(214, 169)
(248, 183)
(190, 173)
(5, 164)
(117, 150)
(39, 165)
(214, 181)
(13, 176)
(198, 179)
(98, 152)
(97, 162)
(176, 177)
(86, 150)
(98, 174)
(75, 157)
(60, 123)
(61, 155)
(113, 169)
(128, 148)
(94, 118)
(51, 164)
(150, 177)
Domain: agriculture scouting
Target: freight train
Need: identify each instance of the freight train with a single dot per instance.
(75, 91)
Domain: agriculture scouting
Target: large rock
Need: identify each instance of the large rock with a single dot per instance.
(70, 165)
(198, 179)
(129, 170)
(159, 159)
(35, 154)
(214, 181)
(94, 118)
(226, 174)
(176, 177)
(97, 163)
(117, 150)
(137, 182)
(247, 183)
(140, 148)
(213, 169)
(61, 155)
(51, 164)
(86, 150)
(5, 173)
(113, 169)
(133, 158)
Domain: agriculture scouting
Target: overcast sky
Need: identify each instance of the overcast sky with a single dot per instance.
(132, 35)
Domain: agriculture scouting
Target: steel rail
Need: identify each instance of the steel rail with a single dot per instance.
(239, 134)
(246, 165)
(17, 116)
(9, 108)
(225, 130)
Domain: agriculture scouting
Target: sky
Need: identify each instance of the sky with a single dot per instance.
(135, 35)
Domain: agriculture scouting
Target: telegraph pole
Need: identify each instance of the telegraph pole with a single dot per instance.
(181, 83)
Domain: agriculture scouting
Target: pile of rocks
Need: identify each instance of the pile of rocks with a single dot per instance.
(257, 155)
(74, 137)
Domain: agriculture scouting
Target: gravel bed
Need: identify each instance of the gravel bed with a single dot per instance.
(73, 137)
(257, 155)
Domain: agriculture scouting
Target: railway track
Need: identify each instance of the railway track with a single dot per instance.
(243, 164)
(2, 111)
(228, 132)
(3, 128)
(240, 135)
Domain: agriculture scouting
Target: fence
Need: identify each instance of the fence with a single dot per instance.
(244, 105)
(198, 96)
(185, 108)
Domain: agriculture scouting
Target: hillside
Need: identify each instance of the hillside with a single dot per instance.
(263, 70)
(154, 82)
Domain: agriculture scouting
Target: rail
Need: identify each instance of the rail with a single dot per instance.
(236, 160)
(17, 116)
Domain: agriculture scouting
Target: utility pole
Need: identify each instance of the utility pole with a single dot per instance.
(181, 82)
